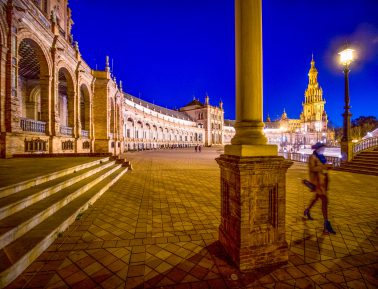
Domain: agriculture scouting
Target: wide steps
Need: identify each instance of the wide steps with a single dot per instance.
(364, 163)
(20, 253)
(359, 171)
(12, 189)
(33, 212)
(15, 202)
(17, 224)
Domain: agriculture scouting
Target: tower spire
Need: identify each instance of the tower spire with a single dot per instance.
(313, 106)
(313, 73)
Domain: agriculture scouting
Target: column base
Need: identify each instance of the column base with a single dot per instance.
(254, 257)
(251, 150)
(346, 150)
(253, 199)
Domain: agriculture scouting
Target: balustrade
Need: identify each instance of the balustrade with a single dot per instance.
(32, 125)
(66, 130)
(298, 157)
(365, 144)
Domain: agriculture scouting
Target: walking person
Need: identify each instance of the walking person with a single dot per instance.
(199, 148)
(318, 173)
(196, 148)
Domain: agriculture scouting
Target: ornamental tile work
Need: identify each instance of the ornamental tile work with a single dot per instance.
(158, 228)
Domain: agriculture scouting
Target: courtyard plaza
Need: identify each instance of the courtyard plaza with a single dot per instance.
(157, 227)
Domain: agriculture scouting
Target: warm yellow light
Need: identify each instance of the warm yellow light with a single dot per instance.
(346, 56)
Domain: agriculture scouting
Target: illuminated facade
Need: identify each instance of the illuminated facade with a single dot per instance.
(311, 127)
(52, 102)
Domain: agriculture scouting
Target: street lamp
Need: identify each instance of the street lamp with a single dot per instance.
(346, 58)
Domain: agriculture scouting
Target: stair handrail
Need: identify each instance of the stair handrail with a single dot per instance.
(365, 144)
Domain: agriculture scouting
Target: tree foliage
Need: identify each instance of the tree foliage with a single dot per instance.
(362, 125)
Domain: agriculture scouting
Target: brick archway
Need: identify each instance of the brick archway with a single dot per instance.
(84, 101)
(33, 72)
(66, 101)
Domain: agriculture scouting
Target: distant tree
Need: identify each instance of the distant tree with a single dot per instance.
(365, 120)
(362, 125)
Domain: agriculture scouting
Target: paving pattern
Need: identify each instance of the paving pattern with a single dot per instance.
(158, 228)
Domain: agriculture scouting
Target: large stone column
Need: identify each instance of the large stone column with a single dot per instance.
(252, 228)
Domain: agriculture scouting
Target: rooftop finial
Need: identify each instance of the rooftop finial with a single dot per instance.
(107, 64)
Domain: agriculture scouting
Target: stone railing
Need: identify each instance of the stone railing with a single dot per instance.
(365, 144)
(35, 10)
(335, 161)
(84, 133)
(66, 130)
(32, 125)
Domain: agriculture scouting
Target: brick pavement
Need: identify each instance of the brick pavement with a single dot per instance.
(157, 228)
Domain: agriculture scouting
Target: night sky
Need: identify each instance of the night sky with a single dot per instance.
(168, 51)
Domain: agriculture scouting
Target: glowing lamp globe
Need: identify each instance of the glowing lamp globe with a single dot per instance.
(346, 56)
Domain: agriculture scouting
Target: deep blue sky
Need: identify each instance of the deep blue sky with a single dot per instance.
(168, 51)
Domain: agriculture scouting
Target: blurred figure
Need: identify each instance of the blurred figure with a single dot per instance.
(318, 173)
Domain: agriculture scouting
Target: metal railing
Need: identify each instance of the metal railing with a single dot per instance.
(298, 157)
(32, 125)
(365, 144)
(66, 130)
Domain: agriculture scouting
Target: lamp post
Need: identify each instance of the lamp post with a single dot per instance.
(346, 58)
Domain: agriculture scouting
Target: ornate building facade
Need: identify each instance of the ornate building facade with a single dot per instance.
(52, 102)
(311, 127)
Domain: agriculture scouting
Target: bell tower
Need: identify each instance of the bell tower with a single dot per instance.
(313, 115)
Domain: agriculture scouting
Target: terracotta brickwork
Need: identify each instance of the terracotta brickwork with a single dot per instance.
(42, 72)
(253, 195)
(49, 94)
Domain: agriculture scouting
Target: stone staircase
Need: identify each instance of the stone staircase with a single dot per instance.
(34, 212)
(365, 162)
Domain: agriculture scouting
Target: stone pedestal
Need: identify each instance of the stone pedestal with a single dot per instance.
(252, 229)
(346, 150)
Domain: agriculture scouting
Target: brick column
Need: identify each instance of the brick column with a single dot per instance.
(253, 193)
(252, 228)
